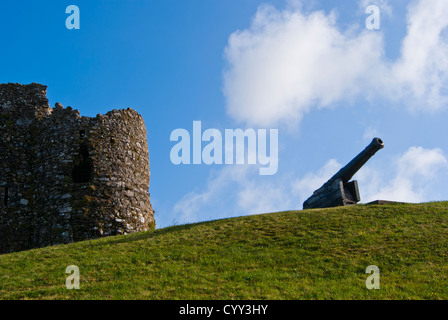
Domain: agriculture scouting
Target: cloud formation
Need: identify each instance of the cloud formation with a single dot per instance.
(415, 172)
(421, 73)
(289, 62)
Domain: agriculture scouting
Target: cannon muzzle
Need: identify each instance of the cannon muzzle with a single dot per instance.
(346, 173)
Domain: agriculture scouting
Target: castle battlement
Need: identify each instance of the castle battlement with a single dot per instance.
(66, 177)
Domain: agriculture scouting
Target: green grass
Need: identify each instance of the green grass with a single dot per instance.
(312, 254)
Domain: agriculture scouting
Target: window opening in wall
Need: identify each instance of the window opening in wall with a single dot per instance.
(4, 196)
(82, 171)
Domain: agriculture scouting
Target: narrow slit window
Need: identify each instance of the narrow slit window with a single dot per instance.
(82, 171)
(3, 196)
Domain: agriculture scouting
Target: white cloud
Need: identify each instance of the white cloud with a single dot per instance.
(193, 205)
(256, 198)
(289, 62)
(370, 132)
(422, 70)
(421, 162)
(412, 180)
(238, 190)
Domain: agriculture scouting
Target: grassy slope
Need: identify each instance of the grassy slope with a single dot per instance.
(314, 254)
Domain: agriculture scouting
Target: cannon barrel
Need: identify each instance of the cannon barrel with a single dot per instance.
(347, 172)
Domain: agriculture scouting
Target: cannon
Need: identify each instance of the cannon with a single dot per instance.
(339, 190)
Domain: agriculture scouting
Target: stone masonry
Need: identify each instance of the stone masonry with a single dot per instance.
(66, 177)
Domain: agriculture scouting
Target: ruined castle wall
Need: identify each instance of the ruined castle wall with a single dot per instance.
(20, 107)
(69, 178)
(121, 171)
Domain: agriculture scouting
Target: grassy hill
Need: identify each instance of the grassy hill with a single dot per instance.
(313, 254)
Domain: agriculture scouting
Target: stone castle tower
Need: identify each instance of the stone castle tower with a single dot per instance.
(66, 177)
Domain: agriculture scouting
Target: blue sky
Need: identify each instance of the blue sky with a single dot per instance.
(312, 71)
